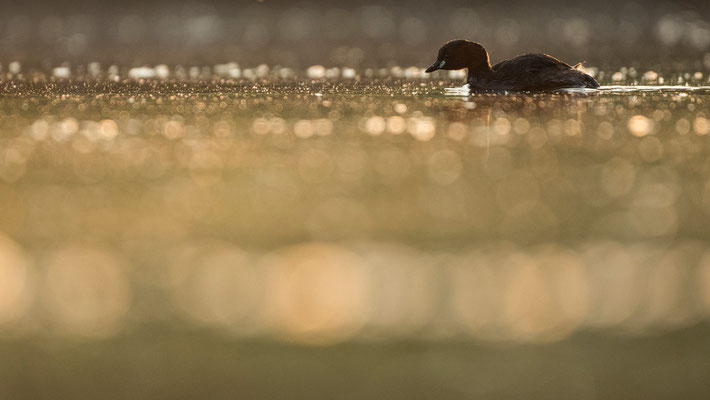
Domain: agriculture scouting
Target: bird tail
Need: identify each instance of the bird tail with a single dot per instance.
(589, 81)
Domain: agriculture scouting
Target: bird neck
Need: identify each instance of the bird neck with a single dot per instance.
(480, 64)
(479, 71)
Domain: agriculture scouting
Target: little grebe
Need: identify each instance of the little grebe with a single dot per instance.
(529, 72)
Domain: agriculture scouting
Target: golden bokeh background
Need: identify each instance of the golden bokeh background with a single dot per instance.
(269, 200)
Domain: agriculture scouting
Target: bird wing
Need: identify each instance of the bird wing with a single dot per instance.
(537, 72)
(530, 63)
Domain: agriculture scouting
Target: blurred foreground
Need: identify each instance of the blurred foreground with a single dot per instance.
(275, 234)
(157, 364)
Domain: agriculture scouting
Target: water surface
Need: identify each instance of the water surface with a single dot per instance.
(361, 210)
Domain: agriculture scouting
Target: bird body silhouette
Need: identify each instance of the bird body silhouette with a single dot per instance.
(528, 72)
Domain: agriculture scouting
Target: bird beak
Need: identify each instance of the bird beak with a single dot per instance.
(438, 64)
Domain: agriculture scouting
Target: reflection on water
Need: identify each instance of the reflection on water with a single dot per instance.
(465, 91)
(319, 293)
(338, 209)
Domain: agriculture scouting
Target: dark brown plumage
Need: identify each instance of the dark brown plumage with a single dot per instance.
(528, 72)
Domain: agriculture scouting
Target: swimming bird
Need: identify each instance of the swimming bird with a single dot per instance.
(528, 72)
